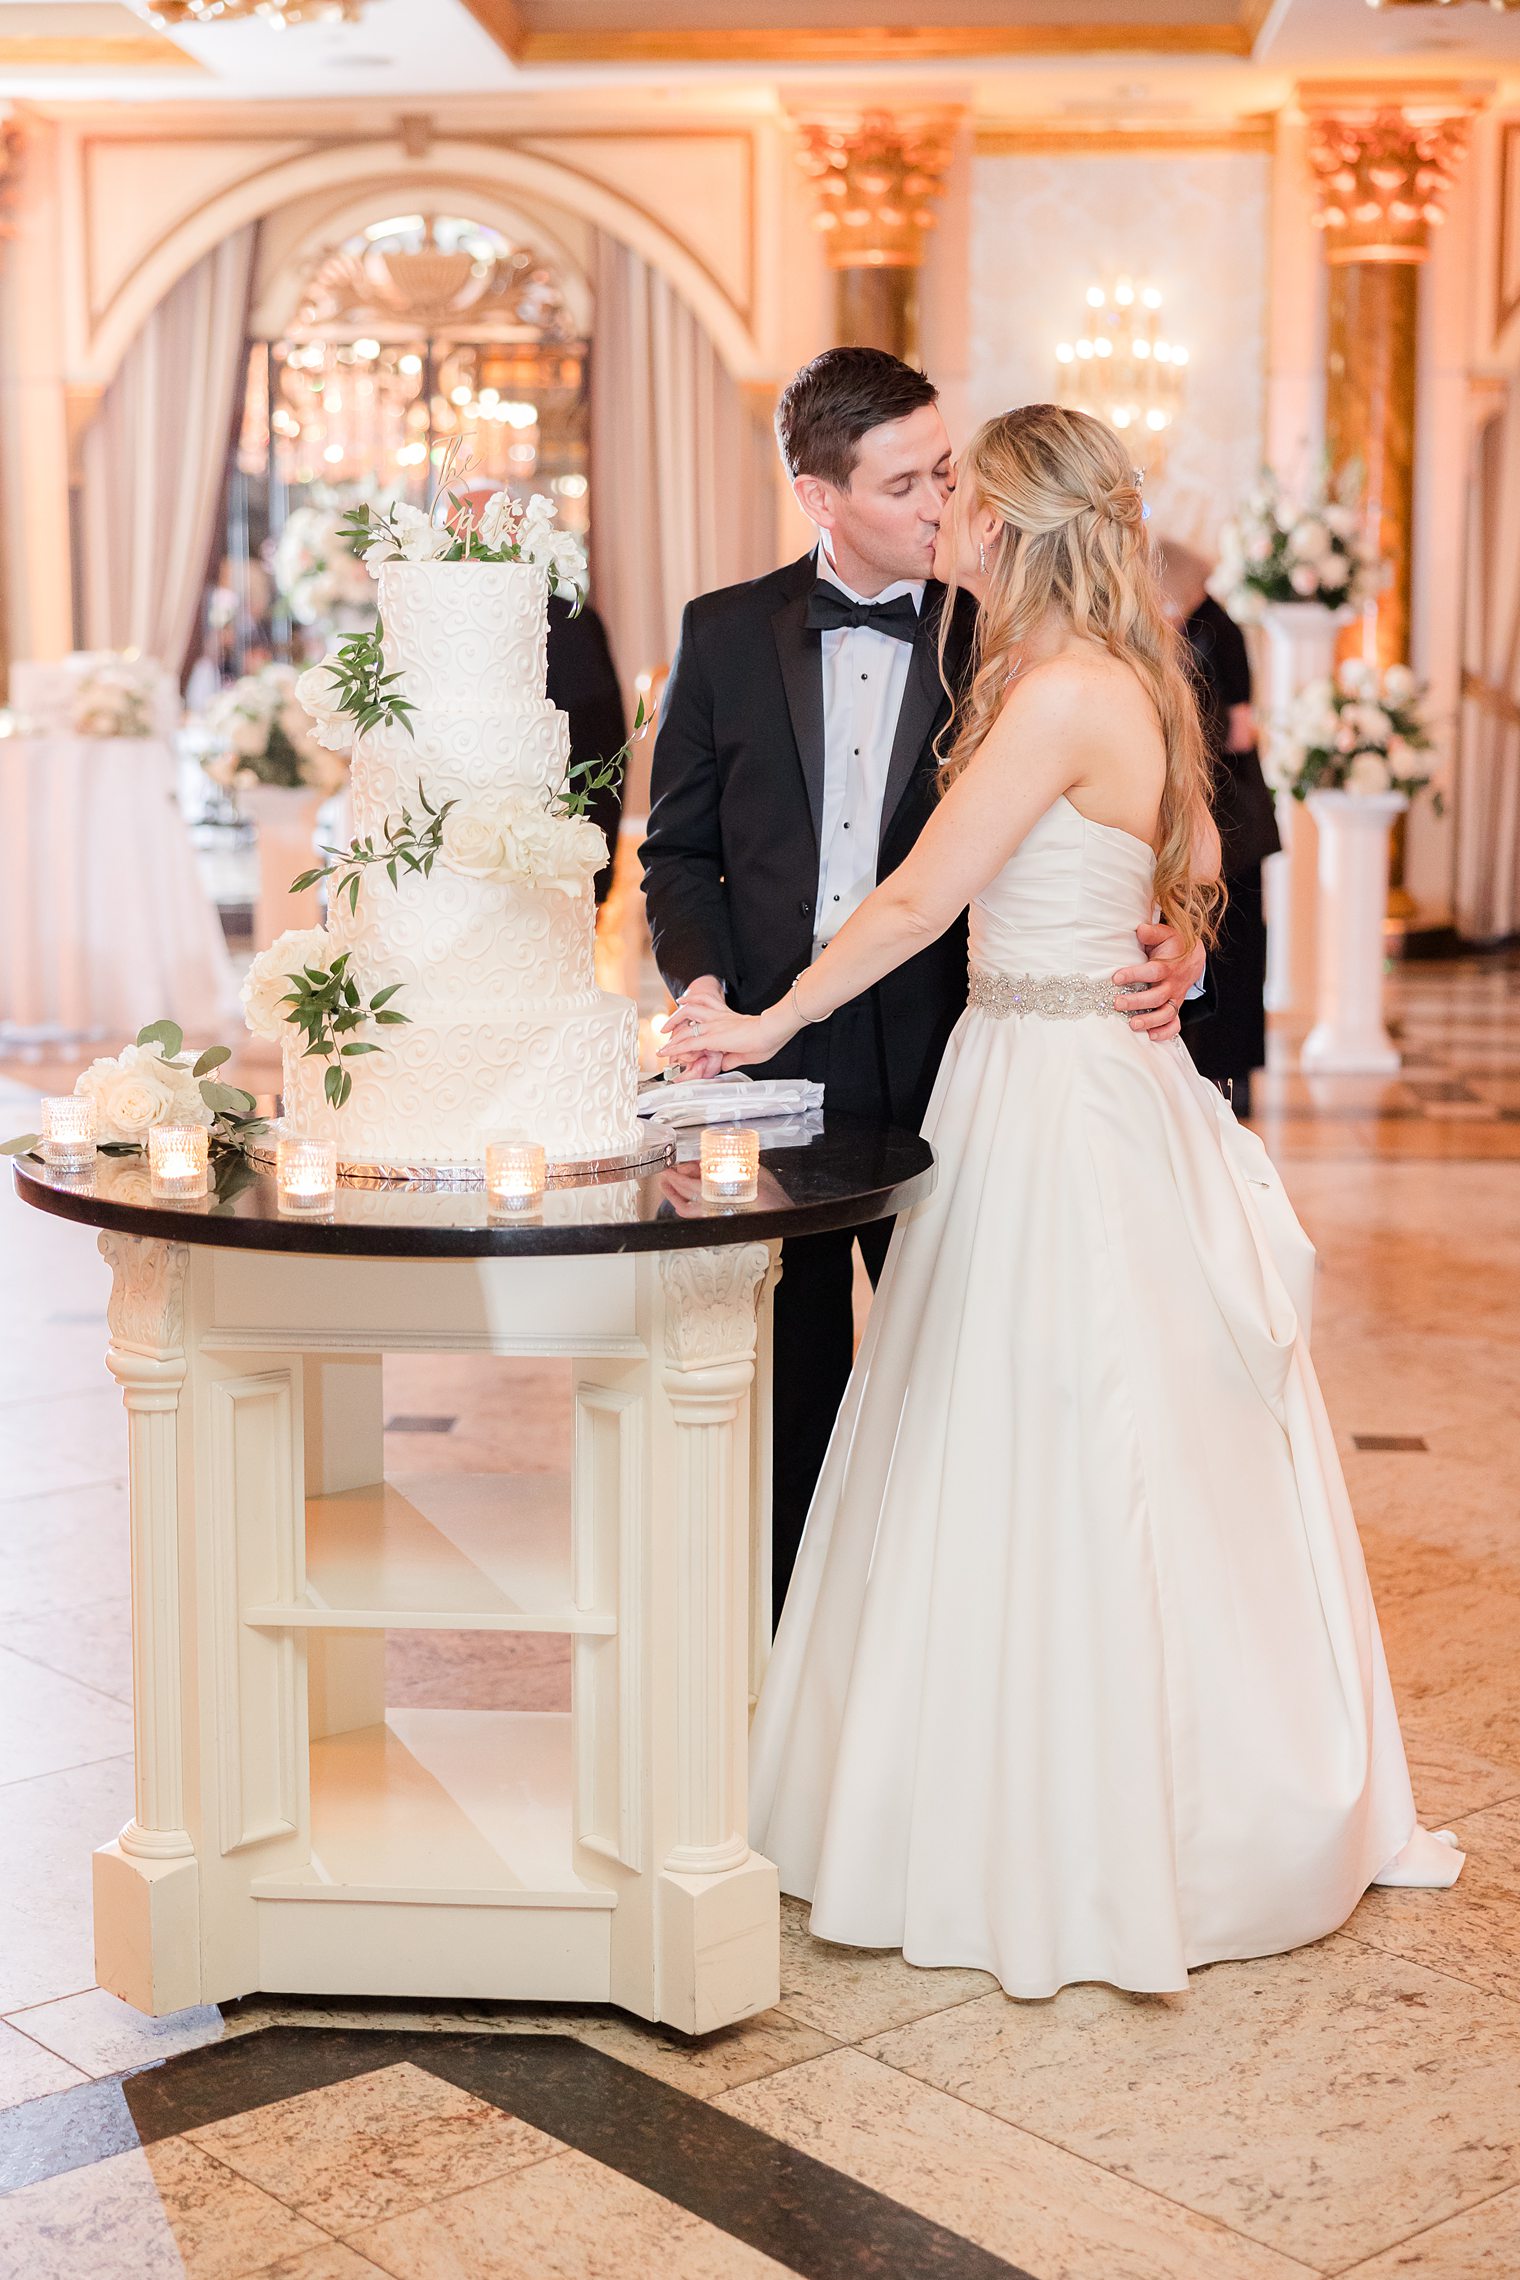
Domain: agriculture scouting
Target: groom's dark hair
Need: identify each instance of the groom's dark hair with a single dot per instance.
(831, 403)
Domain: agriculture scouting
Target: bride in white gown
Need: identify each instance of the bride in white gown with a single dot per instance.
(1079, 1676)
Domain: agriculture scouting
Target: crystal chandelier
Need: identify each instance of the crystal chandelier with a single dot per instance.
(174, 14)
(1123, 369)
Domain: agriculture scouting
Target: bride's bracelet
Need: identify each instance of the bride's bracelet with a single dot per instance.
(805, 1019)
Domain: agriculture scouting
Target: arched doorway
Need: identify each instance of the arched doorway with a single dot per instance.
(406, 335)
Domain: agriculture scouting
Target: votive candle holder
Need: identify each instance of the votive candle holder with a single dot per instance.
(179, 1159)
(730, 1163)
(515, 1175)
(68, 1132)
(306, 1175)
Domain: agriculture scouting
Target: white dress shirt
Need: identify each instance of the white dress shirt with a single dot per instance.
(864, 676)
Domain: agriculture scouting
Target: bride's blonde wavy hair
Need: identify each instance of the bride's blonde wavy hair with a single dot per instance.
(1074, 540)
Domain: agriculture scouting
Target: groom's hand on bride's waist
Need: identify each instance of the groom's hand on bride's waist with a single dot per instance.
(1151, 992)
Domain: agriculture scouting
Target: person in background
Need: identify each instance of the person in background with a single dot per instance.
(583, 682)
(1231, 1046)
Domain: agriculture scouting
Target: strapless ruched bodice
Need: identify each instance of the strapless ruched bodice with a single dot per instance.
(1067, 902)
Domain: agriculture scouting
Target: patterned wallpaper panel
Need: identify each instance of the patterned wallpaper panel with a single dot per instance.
(1193, 225)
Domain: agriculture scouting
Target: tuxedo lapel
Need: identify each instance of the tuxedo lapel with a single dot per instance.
(801, 657)
(923, 697)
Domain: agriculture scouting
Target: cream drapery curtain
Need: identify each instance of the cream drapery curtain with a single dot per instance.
(155, 461)
(683, 488)
(1488, 768)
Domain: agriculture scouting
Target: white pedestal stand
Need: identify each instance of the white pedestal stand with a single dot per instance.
(286, 820)
(1349, 1036)
(1301, 638)
(292, 1832)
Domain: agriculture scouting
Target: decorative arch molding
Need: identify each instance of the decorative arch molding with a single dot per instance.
(274, 307)
(457, 165)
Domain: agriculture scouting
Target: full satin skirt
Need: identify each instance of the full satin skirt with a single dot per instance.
(1079, 1676)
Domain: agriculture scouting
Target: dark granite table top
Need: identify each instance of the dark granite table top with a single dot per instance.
(848, 1174)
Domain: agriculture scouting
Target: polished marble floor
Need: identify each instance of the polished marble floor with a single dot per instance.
(1352, 2109)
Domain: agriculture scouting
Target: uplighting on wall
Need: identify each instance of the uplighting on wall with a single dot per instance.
(1124, 369)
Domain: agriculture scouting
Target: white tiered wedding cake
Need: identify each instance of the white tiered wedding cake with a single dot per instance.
(486, 953)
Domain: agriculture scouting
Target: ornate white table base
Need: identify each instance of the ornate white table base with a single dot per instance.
(285, 1837)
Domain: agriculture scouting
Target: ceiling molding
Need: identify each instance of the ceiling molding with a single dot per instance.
(1044, 138)
(928, 43)
(502, 20)
(1355, 97)
(78, 52)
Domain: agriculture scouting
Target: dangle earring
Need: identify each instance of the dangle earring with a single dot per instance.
(981, 555)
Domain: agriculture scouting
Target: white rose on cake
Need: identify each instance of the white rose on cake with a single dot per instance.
(472, 845)
(267, 981)
(139, 1089)
(318, 692)
(561, 851)
(408, 535)
(498, 519)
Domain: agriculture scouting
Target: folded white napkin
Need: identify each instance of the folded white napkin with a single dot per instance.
(775, 1132)
(733, 1099)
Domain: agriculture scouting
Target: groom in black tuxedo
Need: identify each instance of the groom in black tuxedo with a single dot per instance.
(795, 767)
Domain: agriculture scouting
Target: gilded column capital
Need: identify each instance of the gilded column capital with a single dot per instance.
(1381, 172)
(877, 175)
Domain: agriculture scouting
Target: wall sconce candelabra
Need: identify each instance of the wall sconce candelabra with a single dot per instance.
(1123, 369)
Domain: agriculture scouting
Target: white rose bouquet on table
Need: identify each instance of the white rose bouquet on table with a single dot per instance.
(1364, 732)
(262, 733)
(153, 1081)
(318, 576)
(115, 696)
(1272, 550)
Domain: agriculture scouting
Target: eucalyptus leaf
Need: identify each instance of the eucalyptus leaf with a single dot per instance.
(22, 1145)
(212, 1058)
(168, 1034)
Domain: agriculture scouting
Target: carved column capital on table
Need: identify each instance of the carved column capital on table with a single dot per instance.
(710, 1300)
(146, 1308)
(146, 1356)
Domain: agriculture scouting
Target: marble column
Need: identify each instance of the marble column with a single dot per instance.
(877, 176)
(1381, 169)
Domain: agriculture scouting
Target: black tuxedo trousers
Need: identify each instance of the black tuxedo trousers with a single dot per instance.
(731, 869)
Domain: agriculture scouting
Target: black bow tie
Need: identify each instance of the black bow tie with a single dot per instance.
(829, 611)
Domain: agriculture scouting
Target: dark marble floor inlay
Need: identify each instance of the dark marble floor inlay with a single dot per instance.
(420, 1424)
(1409, 1443)
(813, 2219)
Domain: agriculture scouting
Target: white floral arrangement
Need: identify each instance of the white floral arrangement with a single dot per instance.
(262, 734)
(115, 695)
(1273, 550)
(1364, 732)
(319, 577)
(506, 532)
(522, 845)
(154, 1081)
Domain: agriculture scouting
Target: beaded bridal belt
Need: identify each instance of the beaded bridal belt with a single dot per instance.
(1054, 997)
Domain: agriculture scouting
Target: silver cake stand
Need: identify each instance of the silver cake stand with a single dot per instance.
(656, 1146)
